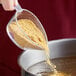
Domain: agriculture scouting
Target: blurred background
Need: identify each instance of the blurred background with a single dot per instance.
(58, 18)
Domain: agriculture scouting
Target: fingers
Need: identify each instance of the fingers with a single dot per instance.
(0, 1)
(8, 5)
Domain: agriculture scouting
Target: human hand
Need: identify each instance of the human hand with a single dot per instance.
(8, 5)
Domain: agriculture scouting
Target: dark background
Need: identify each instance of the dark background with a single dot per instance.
(58, 18)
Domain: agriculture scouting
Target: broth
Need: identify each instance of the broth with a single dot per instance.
(65, 67)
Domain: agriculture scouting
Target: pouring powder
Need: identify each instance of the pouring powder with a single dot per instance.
(28, 35)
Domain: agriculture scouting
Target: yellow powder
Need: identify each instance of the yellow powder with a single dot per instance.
(27, 27)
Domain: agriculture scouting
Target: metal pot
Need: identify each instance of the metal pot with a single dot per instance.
(58, 48)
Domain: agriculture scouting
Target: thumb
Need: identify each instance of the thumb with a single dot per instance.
(15, 2)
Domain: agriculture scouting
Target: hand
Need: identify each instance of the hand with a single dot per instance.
(9, 5)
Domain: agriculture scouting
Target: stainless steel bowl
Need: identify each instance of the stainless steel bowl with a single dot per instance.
(58, 48)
